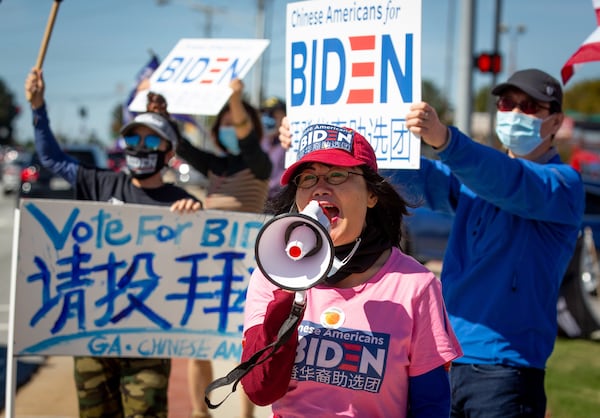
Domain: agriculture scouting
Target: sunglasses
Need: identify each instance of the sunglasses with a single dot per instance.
(334, 177)
(529, 107)
(151, 142)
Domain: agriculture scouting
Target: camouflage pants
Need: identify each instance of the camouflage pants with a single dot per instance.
(122, 387)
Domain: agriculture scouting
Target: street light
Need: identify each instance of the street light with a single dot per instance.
(512, 47)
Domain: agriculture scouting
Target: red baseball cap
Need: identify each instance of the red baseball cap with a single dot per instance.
(332, 145)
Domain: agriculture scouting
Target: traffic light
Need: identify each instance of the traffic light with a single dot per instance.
(488, 62)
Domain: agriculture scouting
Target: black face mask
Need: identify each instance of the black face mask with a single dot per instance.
(144, 164)
(372, 244)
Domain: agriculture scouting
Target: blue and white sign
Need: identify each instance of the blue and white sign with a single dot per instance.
(195, 76)
(356, 64)
(131, 280)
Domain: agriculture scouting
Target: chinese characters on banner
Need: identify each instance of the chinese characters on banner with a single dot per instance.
(131, 281)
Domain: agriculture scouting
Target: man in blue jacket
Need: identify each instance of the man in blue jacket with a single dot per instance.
(517, 216)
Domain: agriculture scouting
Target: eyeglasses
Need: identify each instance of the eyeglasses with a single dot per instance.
(151, 142)
(529, 107)
(334, 177)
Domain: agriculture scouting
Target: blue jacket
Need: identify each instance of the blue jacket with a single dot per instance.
(515, 228)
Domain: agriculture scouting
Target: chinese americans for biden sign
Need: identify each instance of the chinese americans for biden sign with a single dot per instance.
(356, 64)
(131, 280)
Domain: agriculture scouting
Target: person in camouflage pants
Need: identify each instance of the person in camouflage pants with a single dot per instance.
(142, 384)
(118, 387)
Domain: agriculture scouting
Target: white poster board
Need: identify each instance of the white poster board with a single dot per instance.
(96, 279)
(195, 76)
(356, 64)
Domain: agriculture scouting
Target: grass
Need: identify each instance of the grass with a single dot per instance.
(573, 379)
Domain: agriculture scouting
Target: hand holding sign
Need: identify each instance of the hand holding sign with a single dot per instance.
(30, 93)
(195, 76)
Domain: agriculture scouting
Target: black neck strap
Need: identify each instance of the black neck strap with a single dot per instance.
(234, 376)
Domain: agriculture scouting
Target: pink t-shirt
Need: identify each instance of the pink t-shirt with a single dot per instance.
(358, 346)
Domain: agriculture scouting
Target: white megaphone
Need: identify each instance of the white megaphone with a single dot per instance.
(294, 251)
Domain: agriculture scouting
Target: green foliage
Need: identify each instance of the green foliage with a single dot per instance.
(8, 112)
(116, 120)
(482, 99)
(583, 98)
(573, 379)
(432, 95)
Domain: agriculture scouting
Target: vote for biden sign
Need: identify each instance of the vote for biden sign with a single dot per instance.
(356, 64)
(131, 280)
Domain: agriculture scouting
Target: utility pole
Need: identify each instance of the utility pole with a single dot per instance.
(464, 84)
(491, 99)
(209, 12)
(450, 22)
(257, 90)
(512, 47)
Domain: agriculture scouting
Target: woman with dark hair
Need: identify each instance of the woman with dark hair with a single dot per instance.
(385, 218)
(238, 175)
(373, 338)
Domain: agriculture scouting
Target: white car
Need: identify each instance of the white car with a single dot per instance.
(14, 161)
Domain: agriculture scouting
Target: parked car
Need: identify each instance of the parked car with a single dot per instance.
(579, 306)
(116, 159)
(186, 175)
(39, 182)
(426, 236)
(14, 162)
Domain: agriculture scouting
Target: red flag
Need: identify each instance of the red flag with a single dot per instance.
(588, 51)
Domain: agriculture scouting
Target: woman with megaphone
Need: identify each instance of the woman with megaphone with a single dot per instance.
(372, 338)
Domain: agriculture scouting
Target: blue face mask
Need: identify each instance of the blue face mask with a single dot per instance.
(228, 139)
(518, 132)
(268, 122)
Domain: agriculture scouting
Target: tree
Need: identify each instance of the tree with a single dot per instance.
(8, 112)
(583, 98)
(116, 121)
(433, 96)
(482, 98)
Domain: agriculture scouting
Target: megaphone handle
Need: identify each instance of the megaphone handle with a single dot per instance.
(287, 329)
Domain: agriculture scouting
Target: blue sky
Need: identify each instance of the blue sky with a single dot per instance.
(98, 46)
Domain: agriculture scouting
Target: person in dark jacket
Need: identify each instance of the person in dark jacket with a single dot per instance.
(117, 387)
(273, 111)
(238, 176)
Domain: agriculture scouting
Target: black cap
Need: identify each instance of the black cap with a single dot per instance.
(272, 103)
(537, 84)
(154, 121)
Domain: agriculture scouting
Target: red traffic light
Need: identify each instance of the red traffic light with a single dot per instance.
(489, 63)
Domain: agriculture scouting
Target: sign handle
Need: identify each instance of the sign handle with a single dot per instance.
(46, 39)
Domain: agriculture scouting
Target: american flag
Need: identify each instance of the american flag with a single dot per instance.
(588, 51)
